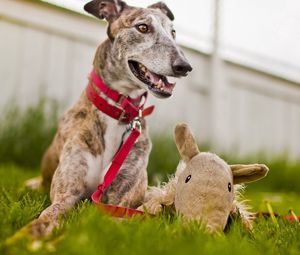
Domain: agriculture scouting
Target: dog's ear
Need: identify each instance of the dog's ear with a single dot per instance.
(164, 8)
(105, 9)
(248, 173)
(185, 142)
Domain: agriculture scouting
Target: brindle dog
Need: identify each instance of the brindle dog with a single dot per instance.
(137, 56)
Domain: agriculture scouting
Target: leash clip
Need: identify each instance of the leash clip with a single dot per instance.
(136, 123)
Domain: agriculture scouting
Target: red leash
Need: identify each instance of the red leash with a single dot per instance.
(128, 111)
(116, 164)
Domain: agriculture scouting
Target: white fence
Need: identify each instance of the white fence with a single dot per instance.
(48, 51)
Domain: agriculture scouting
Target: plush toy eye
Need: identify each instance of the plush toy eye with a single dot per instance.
(229, 187)
(173, 33)
(143, 28)
(188, 178)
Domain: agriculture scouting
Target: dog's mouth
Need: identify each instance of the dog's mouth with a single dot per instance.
(157, 84)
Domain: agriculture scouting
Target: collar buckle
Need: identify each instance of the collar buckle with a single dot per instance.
(123, 116)
(120, 100)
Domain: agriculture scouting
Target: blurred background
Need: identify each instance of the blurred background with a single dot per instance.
(242, 98)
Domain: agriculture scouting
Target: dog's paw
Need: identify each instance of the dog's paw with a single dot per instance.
(34, 183)
(40, 228)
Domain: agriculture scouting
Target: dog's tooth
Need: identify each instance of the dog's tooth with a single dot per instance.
(142, 67)
(158, 85)
(161, 83)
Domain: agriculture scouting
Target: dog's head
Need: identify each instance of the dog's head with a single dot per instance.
(143, 44)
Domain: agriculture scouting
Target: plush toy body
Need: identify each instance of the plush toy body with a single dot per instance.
(204, 186)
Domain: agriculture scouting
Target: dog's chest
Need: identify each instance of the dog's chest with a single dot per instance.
(98, 166)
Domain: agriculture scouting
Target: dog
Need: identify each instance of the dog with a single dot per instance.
(138, 55)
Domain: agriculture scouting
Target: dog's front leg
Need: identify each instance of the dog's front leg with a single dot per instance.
(129, 187)
(68, 187)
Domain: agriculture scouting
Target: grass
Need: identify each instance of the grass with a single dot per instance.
(86, 231)
(24, 136)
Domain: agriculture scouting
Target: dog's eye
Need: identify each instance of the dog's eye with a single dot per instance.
(143, 28)
(173, 33)
(188, 178)
(229, 186)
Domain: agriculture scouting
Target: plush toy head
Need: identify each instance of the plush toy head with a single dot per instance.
(205, 189)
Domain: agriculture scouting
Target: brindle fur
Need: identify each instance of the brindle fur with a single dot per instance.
(86, 140)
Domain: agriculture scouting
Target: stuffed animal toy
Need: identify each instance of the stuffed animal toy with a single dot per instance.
(205, 188)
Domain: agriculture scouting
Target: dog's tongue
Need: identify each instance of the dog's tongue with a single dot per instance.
(154, 78)
(159, 82)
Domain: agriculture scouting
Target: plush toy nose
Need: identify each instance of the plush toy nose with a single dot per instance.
(181, 67)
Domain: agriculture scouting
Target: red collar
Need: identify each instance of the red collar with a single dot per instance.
(125, 108)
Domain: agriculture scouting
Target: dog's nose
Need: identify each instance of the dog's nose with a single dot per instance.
(181, 67)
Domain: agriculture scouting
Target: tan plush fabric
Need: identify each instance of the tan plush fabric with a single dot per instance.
(203, 186)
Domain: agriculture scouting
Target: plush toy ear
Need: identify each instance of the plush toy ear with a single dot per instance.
(185, 141)
(248, 173)
(164, 8)
(105, 9)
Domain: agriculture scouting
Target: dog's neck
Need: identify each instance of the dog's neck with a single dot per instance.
(113, 72)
